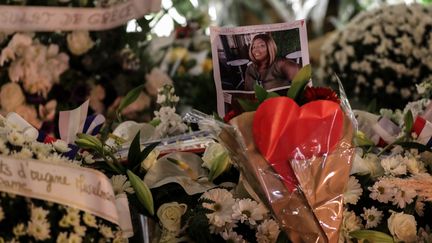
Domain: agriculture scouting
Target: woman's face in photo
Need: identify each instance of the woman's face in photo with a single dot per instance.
(259, 50)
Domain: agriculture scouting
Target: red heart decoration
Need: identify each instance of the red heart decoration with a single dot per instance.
(283, 131)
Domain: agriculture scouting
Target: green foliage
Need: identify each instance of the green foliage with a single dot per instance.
(142, 192)
(299, 82)
(372, 236)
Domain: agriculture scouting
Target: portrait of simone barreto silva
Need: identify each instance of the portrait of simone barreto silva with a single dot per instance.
(265, 55)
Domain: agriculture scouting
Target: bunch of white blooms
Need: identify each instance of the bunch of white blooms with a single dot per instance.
(36, 65)
(382, 53)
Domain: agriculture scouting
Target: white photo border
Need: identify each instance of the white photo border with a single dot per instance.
(215, 32)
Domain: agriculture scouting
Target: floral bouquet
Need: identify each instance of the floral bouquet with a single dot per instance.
(388, 197)
(296, 160)
(381, 54)
(25, 215)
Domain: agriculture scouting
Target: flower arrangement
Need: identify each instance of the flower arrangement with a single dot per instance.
(24, 219)
(193, 196)
(382, 55)
(389, 191)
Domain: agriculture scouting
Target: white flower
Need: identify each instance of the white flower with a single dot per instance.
(88, 157)
(121, 184)
(61, 146)
(24, 153)
(419, 207)
(222, 206)
(79, 42)
(89, 220)
(232, 236)
(40, 230)
(40, 149)
(267, 231)
(74, 238)
(155, 80)
(404, 196)
(402, 227)
(372, 216)
(350, 222)
(106, 231)
(80, 230)
(246, 210)
(2, 215)
(38, 214)
(11, 96)
(393, 165)
(353, 191)
(170, 215)
(62, 237)
(15, 138)
(382, 191)
(19, 230)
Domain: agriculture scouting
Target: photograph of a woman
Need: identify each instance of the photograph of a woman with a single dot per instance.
(266, 69)
(266, 55)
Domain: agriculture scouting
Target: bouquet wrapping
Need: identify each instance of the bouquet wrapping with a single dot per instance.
(297, 160)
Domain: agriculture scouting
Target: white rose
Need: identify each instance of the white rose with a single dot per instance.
(155, 80)
(11, 97)
(403, 227)
(170, 215)
(79, 42)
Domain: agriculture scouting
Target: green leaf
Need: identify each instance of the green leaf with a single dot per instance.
(419, 146)
(372, 106)
(130, 98)
(134, 151)
(260, 93)
(272, 95)
(142, 192)
(300, 81)
(248, 105)
(372, 236)
(409, 121)
(219, 165)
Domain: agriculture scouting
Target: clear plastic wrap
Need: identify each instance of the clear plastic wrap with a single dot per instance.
(297, 160)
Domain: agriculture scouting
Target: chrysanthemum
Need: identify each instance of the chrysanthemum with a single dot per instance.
(267, 231)
(40, 149)
(106, 231)
(90, 220)
(24, 153)
(62, 237)
(2, 216)
(15, 138)
(19, 230)
(248, 210)
(75, 238)
(372, 216)
(222, 206)
(394, 165)
(350, 222)
(61, 146)
(353, 191)
(382, 191)
(40, 230)
(232, 237)
(38, 214)
(121, 184)
(404, 196)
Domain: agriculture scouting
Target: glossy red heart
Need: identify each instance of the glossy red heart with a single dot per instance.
(284, 131)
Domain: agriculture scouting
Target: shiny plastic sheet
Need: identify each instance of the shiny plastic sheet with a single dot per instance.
(308, 202)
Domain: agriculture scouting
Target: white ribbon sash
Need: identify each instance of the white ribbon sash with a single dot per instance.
(85, 189)
(32, 18)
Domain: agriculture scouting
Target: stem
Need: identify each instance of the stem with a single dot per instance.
(390, 145)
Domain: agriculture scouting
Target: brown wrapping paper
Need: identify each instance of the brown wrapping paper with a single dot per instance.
(310, 214)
